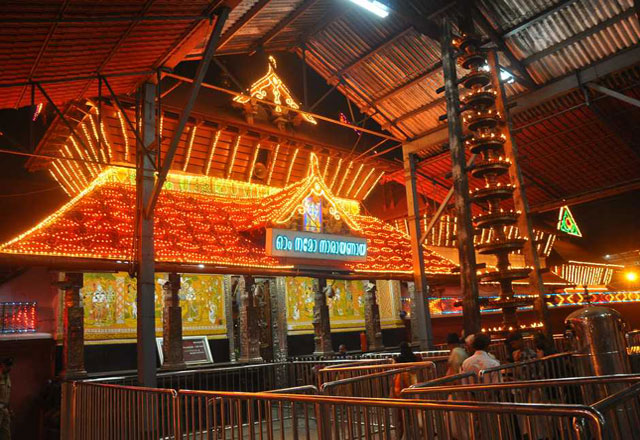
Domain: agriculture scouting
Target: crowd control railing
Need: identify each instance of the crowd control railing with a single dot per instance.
(549, 367)
(105, 412)
(381, 384)
(582, 390)
(332, 373)
(117, 412)
(621, 412)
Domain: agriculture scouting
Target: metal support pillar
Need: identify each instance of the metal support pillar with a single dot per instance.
(248, 320)
(73, 336)
(465, 232)
(145, 161)
(321, 322)
(520, 201)
(372, 326)
(172, 325)
(420, 315)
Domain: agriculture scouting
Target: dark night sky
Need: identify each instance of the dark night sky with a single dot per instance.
(608, 226)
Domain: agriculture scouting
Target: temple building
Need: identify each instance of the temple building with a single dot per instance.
(227, 219)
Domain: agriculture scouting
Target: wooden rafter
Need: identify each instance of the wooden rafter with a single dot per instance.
(389, 41)
(407, 85)
(275, 31)
(242, 22)
(524, 77)
(507, 33)
(578, 37)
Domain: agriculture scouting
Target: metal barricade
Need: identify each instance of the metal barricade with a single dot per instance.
(381, 384)
(118, 412)
(550, 367)
(332, 373)
(260, 415)
(101, 411)
(582, 390)
(621, 412)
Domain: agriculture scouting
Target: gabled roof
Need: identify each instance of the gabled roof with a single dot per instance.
(202, 220)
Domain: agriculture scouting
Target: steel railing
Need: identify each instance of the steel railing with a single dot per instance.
(621, 412)
(574, 390)
(116, 412)
(332, 373)
(549, 367)
(380, 384)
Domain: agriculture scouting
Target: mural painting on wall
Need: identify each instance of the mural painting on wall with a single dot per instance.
(109, 301)
(346, 307)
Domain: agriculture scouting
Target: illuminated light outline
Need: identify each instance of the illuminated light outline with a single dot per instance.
(273, 82)
(106, 141)
(566, 214)
(79, 170)
(59, 183)
(344, 178)
(273, 164)
(233, 156)
(353, 181)
(73, 184)
(97, 137)
(371, 171)
(88, 164)
(326, 167)
(188, 156)
(388, 255)
(293, 160)
(335, 175)
(212, 151)
(373, 185)
(93, 150)
(77, 182)
(125, 137)
(253, 161)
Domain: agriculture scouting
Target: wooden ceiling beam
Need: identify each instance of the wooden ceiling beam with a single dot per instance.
(275, 31)
(242, 22)
(578, 37)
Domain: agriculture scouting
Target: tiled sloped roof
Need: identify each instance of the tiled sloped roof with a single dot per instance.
(194, 227)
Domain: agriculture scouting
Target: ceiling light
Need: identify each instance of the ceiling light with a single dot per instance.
(378, 8)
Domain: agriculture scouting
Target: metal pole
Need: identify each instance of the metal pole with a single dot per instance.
(203, 66)
(442, 206)
(145, 299)
(520, 201)
(420, 316)
(465, 232)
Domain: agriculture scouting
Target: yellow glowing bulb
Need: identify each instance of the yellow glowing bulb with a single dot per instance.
(631, 276)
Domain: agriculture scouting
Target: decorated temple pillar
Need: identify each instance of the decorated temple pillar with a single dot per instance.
(172, 324)
(279, 318)
(372, 317)
(231, 318)
(73, 331)
(249, 332)
(321, 322)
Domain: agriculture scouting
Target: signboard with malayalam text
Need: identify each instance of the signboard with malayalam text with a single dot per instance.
(286, 243)
(195, 350)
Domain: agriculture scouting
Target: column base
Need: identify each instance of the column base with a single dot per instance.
(73, 374)
(173, 366)
(253, 360)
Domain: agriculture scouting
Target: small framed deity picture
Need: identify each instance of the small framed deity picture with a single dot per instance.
(195, 350)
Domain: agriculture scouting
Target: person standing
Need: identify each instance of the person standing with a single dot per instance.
(457, 354)
(5, 394)
(481, 360)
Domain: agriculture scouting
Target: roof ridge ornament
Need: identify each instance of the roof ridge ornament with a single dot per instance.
(271, 85)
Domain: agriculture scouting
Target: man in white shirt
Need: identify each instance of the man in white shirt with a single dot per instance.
(481, 360)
